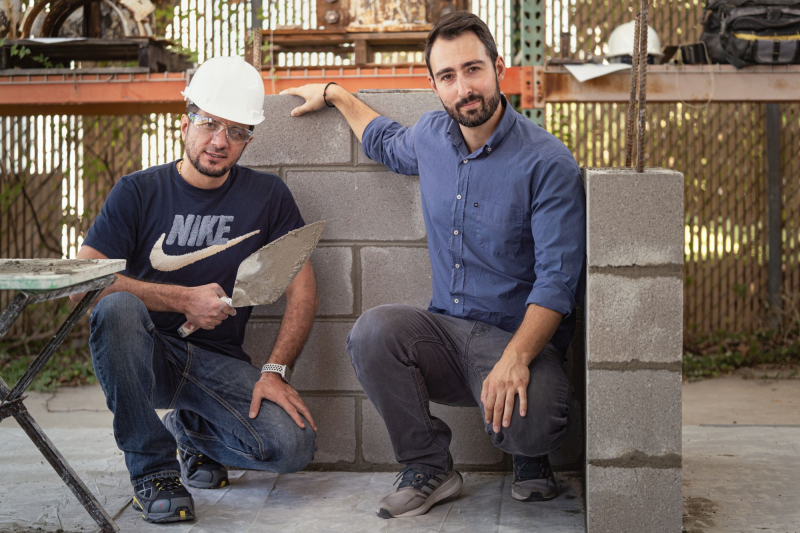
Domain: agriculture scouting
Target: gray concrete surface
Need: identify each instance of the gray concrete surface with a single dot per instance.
(733, 400)
(741, 473)
(645, 309)
(409, 268)
(318, 138)
(405, 108)
(634, 320)
(741, 455)
(647, 421)
(637, 219)
(363, 205)
(33, 498)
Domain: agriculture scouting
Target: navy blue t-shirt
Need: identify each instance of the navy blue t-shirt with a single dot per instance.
(171, 232)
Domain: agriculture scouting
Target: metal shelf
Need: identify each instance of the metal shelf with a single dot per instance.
(695, 84)
(118, 93)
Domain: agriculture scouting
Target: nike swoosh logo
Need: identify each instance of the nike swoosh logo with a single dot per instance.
(169, 263)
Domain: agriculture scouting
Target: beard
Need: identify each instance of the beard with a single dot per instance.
(478, 116)
(193, 153)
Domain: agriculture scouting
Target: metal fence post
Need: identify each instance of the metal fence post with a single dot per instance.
(774, 222)
(532, 43)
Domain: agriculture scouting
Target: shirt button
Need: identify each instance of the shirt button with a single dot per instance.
(489, 149)
(455, 232)
(456, 300)
(458, 197)
(465, 161)
(458, 266)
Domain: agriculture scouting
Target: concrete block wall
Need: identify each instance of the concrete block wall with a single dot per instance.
(634, 318)
(373, 251)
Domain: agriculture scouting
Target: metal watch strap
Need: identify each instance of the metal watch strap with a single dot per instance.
(282, 370)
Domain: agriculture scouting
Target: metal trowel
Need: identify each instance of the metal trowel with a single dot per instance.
(264, 276)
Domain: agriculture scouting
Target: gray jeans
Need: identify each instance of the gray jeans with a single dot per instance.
(406, 357)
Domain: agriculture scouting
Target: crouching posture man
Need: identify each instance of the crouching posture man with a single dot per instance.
(504, 209)
(184, 228)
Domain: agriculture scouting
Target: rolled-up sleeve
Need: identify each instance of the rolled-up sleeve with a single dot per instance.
(391, 144)
(558, 224)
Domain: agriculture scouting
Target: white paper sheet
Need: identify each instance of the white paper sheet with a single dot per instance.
(55, 40)
(589, 72)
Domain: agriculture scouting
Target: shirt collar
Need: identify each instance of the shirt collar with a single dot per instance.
(502, 129)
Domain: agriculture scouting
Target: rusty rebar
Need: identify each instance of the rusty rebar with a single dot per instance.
(257, 48)
(644, 30)
(630, 139)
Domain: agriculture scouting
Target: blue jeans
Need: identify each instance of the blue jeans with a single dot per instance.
(141, 370)
(405, 357)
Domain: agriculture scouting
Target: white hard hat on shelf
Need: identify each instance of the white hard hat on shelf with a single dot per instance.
(229, 88)
(620, 43)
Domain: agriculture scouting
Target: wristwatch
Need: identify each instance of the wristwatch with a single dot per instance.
(284, 371)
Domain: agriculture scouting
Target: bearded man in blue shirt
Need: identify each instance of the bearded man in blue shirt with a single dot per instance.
(504, 209)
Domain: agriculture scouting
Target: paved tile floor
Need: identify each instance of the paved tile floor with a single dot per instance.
(32, 498)
(741, 473)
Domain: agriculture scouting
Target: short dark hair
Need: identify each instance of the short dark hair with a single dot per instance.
(454, 25)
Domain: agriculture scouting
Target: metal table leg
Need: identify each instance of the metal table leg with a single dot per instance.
(12, 405)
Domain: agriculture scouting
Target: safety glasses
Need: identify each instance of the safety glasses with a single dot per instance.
(209, 126)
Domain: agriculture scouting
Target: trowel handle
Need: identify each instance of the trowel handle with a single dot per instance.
(188, 328)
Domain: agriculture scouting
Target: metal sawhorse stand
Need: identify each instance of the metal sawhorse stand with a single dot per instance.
(38, 284)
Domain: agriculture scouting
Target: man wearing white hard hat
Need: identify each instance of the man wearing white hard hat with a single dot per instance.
(183, 229)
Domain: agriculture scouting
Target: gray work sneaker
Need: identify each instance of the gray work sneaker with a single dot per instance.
(197, 470)
(163, 500)
(418, 492)
(533, 479)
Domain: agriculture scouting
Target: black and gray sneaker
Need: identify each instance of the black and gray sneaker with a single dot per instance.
(163, 500)
(197, 470)
(418, 492)
(533, 479)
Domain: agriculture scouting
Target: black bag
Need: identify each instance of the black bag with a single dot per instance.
(750, 32)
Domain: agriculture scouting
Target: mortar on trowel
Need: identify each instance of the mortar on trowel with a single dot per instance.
(266, 274)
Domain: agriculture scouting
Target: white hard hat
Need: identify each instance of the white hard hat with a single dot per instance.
(621, 41)
(229, 88)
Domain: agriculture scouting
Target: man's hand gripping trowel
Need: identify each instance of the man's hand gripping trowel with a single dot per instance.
(264, 276)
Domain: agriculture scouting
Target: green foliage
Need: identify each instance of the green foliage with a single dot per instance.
(190, 54)
(19, 51)
(725, 353)
(8, 195)
(70, 366)
(45, 61)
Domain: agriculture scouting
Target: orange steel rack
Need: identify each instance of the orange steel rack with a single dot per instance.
(121, 93)
(73, 92)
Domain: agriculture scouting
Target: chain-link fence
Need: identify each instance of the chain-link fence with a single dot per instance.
(721, 149)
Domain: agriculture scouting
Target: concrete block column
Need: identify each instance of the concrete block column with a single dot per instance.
(634, 321)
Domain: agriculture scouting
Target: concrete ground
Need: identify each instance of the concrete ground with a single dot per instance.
(741, 473)
(741, 455)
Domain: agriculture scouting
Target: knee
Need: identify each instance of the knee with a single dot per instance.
(118, 312)
(534, 436)
(119, 320)
(374, 333)
(296, 449)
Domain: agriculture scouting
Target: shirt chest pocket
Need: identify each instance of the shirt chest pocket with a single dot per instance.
(497, 229)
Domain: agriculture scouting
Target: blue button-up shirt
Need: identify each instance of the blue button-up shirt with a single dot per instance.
(506, 223)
